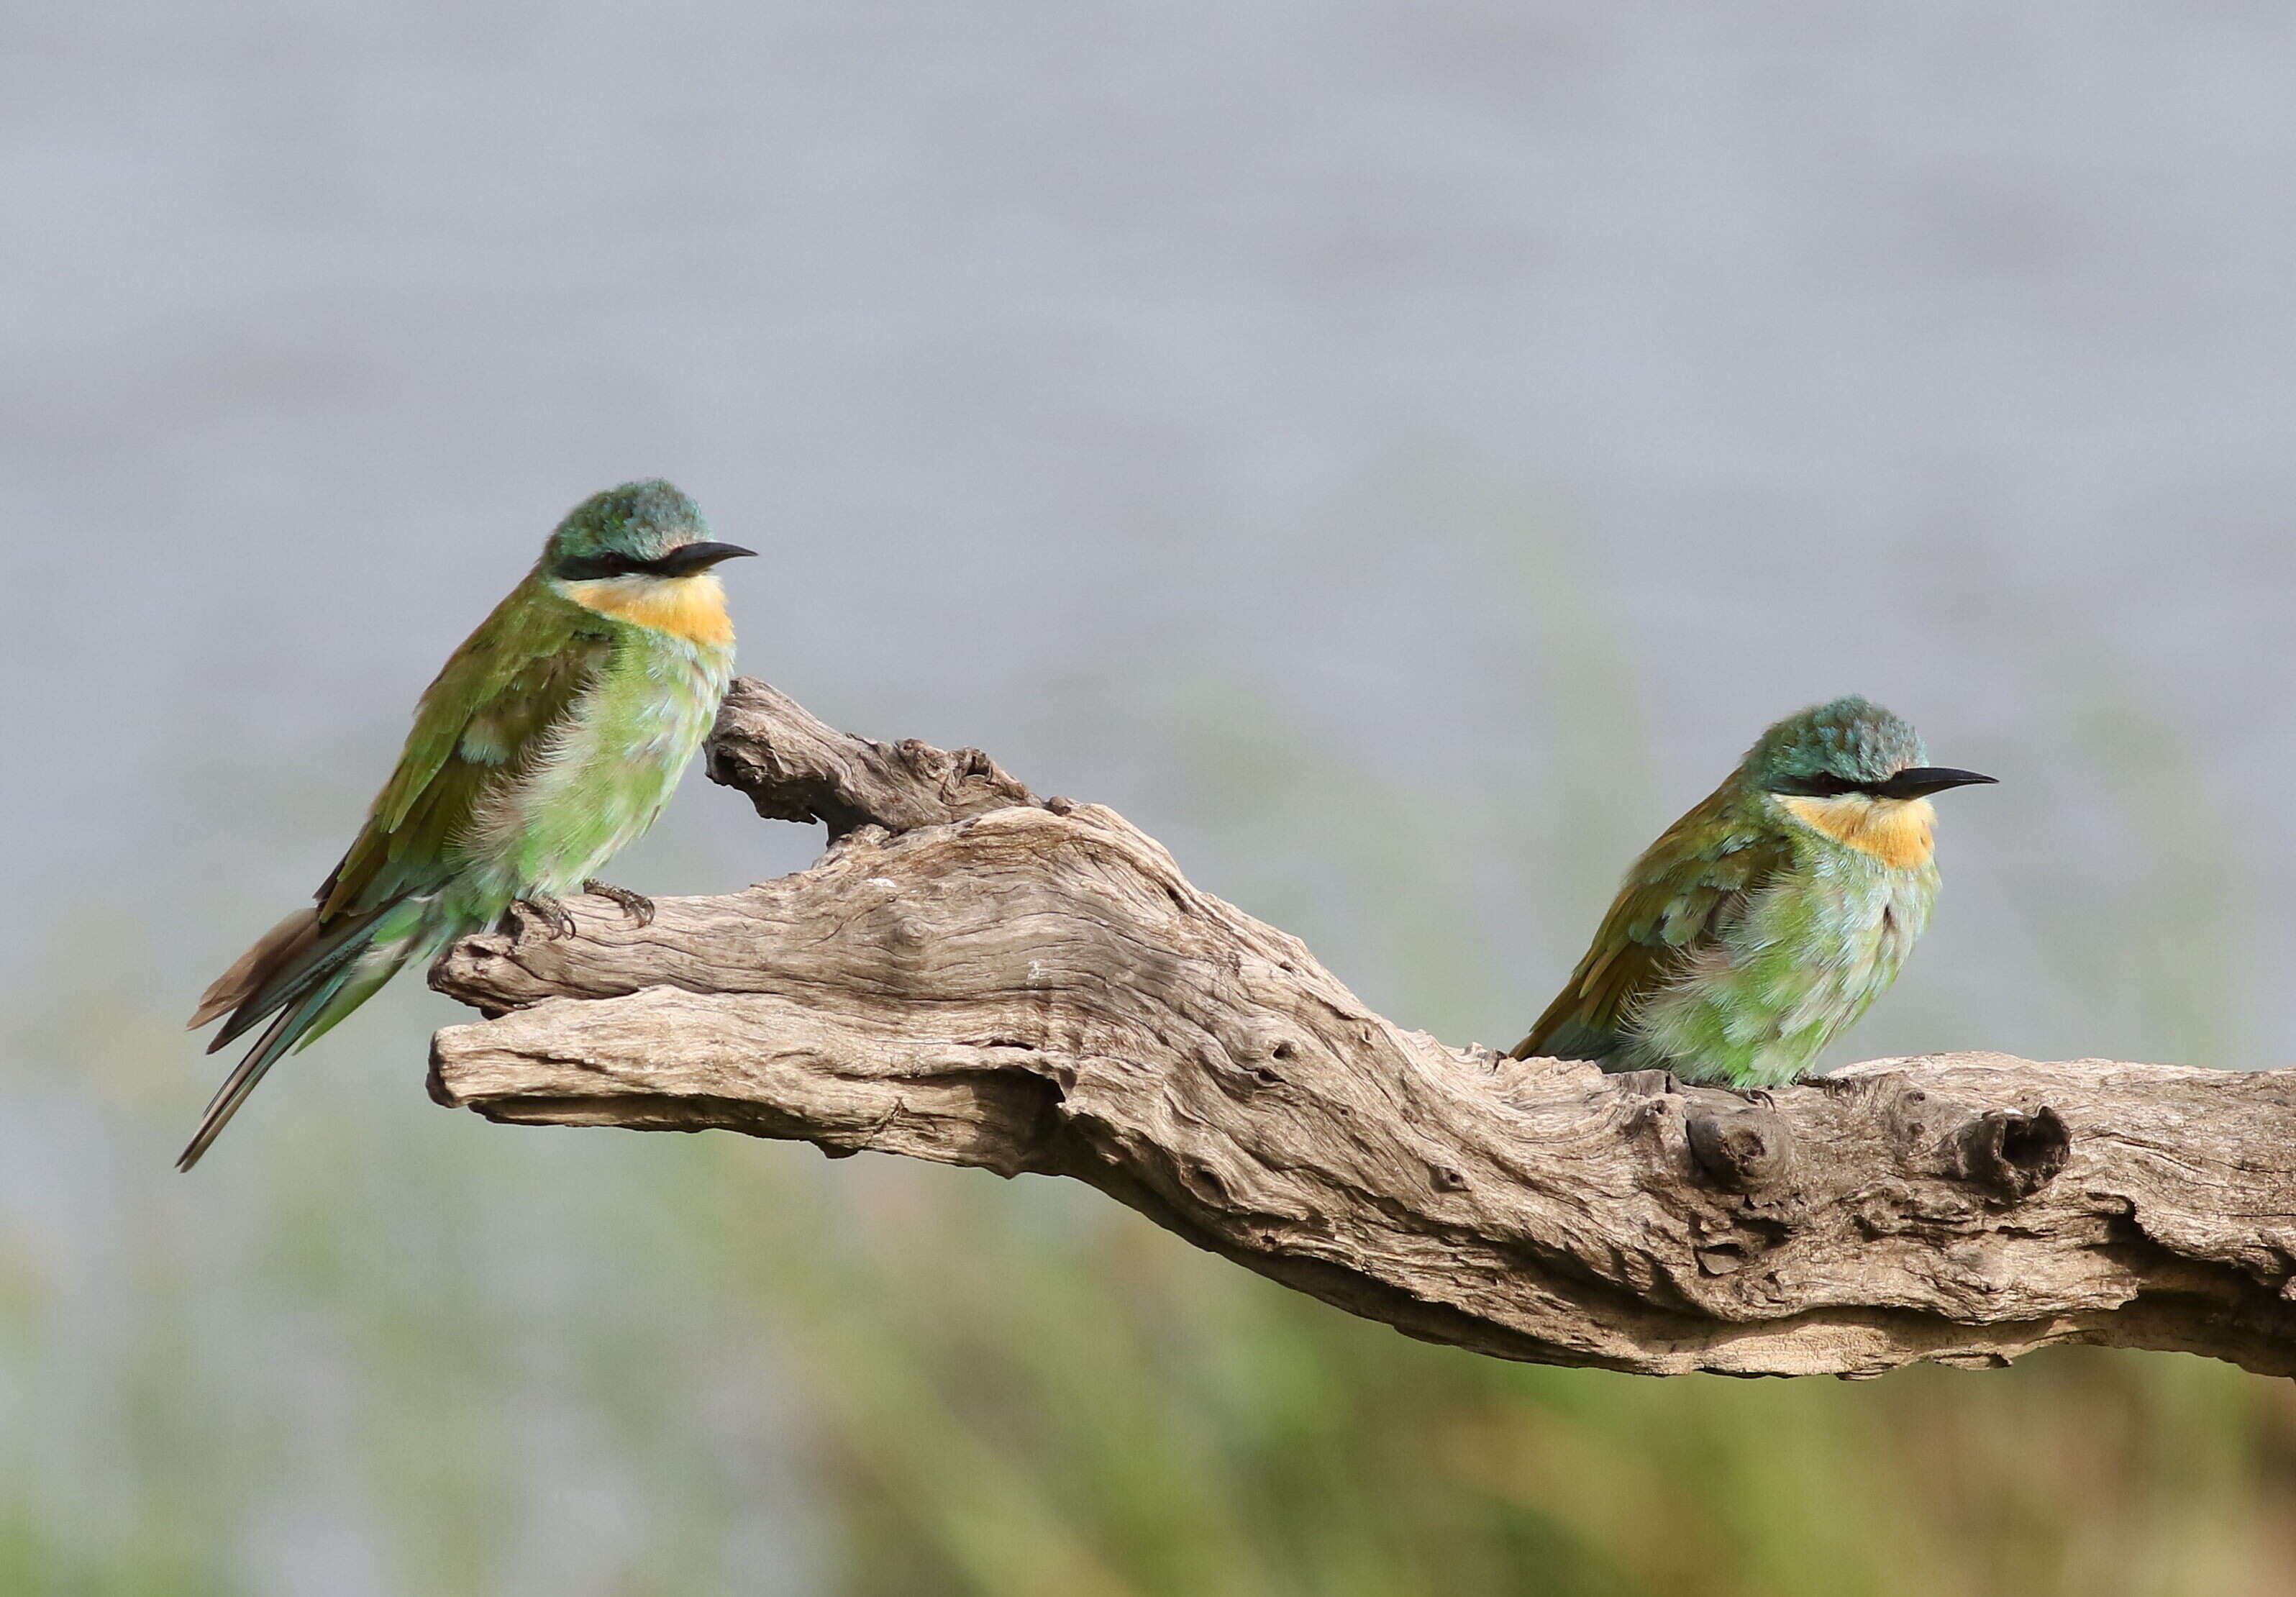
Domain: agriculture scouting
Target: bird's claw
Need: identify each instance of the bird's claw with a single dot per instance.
(557, 920)
(638, 906)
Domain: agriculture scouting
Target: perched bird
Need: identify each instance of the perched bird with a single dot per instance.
(553, 737)
(1770, 916)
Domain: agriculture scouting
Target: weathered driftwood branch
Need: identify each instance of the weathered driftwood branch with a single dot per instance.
(979, 977)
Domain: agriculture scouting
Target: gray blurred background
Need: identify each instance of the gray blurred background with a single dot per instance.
(1399, 455)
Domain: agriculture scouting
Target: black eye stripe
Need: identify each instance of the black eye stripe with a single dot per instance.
(1911, 782)
(591, 568)
(1825, 784)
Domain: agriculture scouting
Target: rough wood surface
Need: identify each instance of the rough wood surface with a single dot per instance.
(974, 976)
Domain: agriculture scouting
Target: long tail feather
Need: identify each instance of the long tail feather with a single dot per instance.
(271, 950)
(363, 980)
(298, 962)
(321, 979)
(292, 1023)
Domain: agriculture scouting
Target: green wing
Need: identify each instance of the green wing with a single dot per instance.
(491, 708)
(1688, 889)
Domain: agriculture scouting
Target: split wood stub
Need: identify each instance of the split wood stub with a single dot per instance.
(975, 975)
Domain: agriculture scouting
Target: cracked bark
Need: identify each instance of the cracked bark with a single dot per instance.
(974, 975)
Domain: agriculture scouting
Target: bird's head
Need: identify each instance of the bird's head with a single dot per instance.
(1855, 772)
(641, 553)
(638, 529)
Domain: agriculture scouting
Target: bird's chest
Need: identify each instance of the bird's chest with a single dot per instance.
(1850, 920)
(653, 709)
(650, 717)
(1814, 949)
(612, 768)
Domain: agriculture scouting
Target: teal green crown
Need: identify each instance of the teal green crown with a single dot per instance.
(642, 520)
(1851, 739)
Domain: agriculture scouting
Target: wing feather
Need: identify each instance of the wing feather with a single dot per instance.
(489, 711)
(1681, 897)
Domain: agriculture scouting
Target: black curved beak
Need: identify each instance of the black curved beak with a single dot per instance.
(687, 559)
(1916, 781)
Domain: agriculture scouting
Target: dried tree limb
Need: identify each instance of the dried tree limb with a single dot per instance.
(796, 767)
(974, 976)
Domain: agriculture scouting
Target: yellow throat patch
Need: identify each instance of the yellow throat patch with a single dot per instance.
(692, 608)
(1899, 832)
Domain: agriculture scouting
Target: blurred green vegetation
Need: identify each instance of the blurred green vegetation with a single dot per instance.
(403, 1352)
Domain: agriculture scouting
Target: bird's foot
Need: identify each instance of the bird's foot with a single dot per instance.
(638, 906)
(554, 916)
(1753, 1097)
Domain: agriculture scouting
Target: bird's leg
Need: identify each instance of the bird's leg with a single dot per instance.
(552, 914)
(638, 906)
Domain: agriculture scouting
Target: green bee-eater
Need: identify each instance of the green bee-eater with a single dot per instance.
(1770, 916)
(553, 737)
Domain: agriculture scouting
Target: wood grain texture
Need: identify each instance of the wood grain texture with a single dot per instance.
(975, 975)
